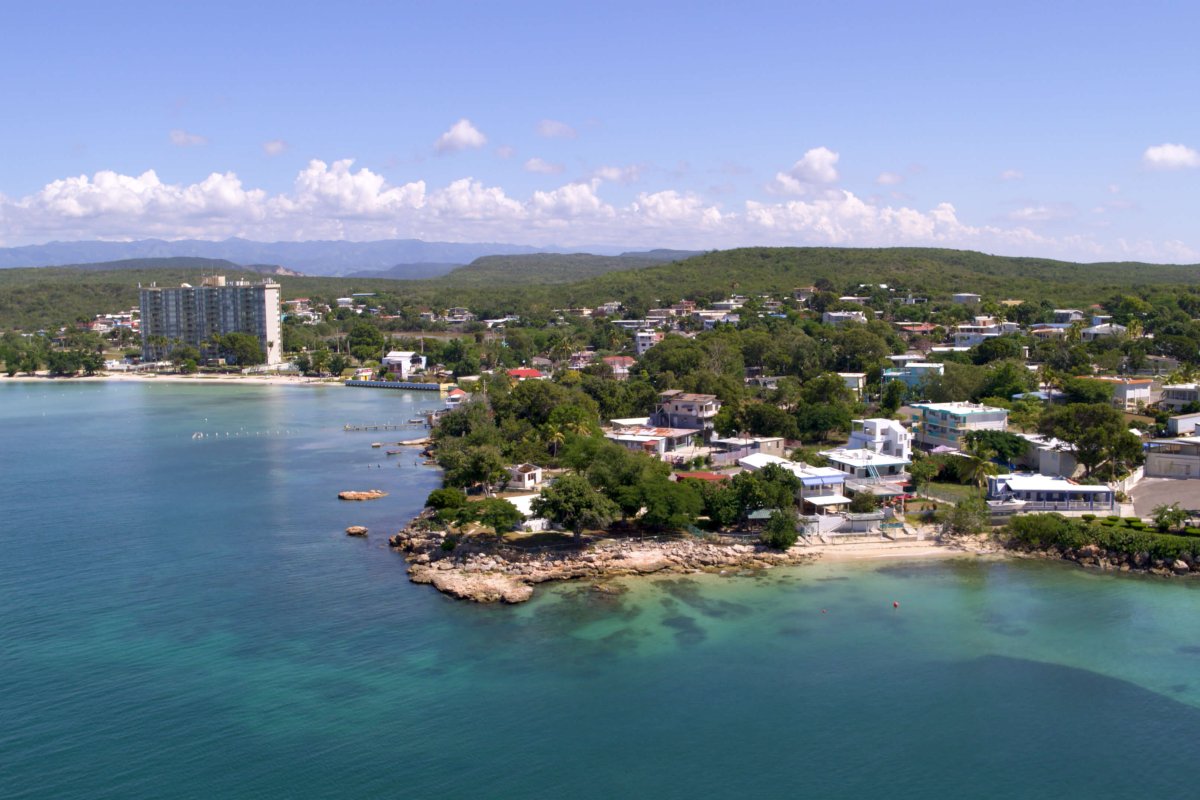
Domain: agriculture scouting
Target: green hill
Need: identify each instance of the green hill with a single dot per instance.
(538, 268)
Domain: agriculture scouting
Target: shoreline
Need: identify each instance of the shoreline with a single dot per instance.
(486, 573)
(187, 380)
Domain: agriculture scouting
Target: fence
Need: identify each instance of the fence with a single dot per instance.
(1129, 481)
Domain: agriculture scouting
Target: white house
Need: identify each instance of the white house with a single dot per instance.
(1174, 458)
(645, 339)
(855, 381)
(403, 363)
(524, 476)
(1176, 396)
(1042, 493)
(837, 318)
(966, 298)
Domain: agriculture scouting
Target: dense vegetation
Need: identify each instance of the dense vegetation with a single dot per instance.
(1131, 537)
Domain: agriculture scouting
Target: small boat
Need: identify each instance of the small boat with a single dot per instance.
(394, 452)
(416, 421)
(376, 444)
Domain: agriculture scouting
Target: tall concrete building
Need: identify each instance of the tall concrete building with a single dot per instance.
(193, 314)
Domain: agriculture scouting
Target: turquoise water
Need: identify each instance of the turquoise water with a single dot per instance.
(185, 617)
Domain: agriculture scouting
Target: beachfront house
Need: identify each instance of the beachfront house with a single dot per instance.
(822, 489)
(403, 363)
(944, 424)
(1044, 493)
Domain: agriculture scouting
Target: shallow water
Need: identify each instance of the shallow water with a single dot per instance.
(186, 618)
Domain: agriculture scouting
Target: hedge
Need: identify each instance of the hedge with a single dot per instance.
(1046, 531)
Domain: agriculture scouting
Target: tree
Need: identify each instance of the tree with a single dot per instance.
(893, 395)
(447, 497)
(242, 348)
(863, 503)
(1087, 390)
(780, 531)
(365, 341)
(670, 504)
(968, 516)
(1097, 432)
(1168, 517)
(1008, 447)
(498, 514)
(573, 503)
(923, 471)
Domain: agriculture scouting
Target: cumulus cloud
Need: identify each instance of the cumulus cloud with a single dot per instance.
(340, 200)
(553, 129)
(274, 147)
(461, 136)
(1170, 156)
(818, 167)
(181, 138)
(543, 167)
(889, 179)
(1011, 175)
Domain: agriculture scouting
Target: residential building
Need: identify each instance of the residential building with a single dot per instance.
(879, 435)
(966, 298)
(1065, 316)
(856, 382)
(802, 294)
(1101, 330)
(878, 451)
(914, 373)
(1177, 396)
(620, 366)
(686, 410)
(522, 374)
(455, 398)
(1173, 458)
(1048, 456)
(524, 477)
(740, 446)
(837, 318)
(403, 363)
(194, 314)
(945, 424)
(1043, 493)
(1129, 393)
(821, 488)
(656, 441)
(643, 340)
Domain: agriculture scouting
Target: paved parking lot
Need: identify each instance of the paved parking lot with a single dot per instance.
(1163, 491)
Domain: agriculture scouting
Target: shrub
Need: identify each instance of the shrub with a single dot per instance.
(450, 542)
(780, 531)
(1088, 517)
(440, 499)
(1113, 518)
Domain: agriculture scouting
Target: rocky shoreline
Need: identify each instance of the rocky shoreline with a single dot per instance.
(1095, 557)
(485, 573)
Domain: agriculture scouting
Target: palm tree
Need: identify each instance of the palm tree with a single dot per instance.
(556, 438)
(1134, 329)
(979, 465)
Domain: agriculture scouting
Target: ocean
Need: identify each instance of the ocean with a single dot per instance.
(183, 616)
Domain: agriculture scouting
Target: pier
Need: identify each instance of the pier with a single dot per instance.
(417, 387)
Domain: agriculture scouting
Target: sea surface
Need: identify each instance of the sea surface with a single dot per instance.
(185, 617)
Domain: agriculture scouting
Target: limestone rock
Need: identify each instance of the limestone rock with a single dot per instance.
(356, 530)
(369, 494)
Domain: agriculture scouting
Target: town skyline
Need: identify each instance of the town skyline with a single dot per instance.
(1017, 132)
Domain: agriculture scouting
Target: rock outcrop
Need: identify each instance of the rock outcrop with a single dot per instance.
(356, 530)
(1096, 557)
(369, 494)
(482, 572)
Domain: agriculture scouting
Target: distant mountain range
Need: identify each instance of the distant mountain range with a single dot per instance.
(396, 259)
(423, 259)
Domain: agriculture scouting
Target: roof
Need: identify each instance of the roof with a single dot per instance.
(958, 407)
(524, 372)
(456, 393)
(1044, 483)
(624, 361)
(864, 458)
(828, 500)
(687, 397)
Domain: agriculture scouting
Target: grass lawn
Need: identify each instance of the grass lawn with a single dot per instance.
(953, 492)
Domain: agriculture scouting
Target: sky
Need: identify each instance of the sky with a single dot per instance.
(1064, 130)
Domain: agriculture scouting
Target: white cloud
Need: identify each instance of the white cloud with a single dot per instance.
(505, 151)
(1012, 175)
(889, 179)
(628, 174)
(553, 129)
(543, 167)
(816, 168)
(462, 135)
(1170, 156)
(274, 147)
(337, 200)
(181, 138)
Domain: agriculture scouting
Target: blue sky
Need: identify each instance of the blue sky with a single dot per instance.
(1066, 130)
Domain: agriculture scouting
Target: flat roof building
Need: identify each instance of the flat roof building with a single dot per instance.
(193, 315)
